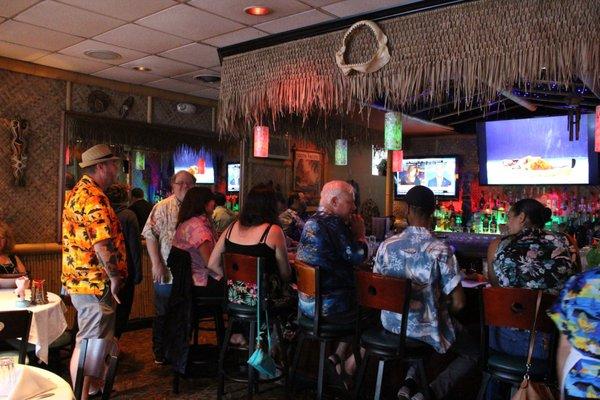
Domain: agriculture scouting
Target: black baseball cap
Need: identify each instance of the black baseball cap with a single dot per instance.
(422, 197)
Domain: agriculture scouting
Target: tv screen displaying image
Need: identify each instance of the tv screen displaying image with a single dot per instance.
(534, 151)
(197, 162)
(437, 173)
(233, 177)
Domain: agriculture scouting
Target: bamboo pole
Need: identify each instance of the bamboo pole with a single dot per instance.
(389, 185)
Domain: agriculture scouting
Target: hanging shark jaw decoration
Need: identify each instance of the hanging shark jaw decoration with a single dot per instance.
(377, 61)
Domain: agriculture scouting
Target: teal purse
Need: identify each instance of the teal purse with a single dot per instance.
(260, 360)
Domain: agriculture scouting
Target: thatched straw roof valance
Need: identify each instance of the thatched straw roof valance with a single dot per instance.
(470, 50)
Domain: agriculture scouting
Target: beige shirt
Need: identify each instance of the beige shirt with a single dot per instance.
(161, 226)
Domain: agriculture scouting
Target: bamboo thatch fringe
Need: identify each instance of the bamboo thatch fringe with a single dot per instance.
(472, 50)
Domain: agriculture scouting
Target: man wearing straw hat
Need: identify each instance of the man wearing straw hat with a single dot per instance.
(93, 256)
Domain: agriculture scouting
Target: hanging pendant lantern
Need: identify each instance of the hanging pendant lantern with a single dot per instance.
(261, 141)
(397, 157)
(201, 164)
(140, 161)
(393, 131)
(67, 155)
(341, 152)
(597, 131)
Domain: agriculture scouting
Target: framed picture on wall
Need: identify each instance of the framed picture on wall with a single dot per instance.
(308, 173)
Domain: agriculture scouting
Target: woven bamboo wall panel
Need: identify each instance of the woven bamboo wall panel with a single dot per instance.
(81, 93)
(165, 113)
(32, 209)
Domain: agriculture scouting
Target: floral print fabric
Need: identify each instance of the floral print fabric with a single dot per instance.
(534, 259)
(88, 219)
(577, 316)
(189, 236)
(431, 265)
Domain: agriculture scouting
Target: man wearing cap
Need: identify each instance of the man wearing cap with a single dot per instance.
(159, 231)
(418, 255)
(94, 263)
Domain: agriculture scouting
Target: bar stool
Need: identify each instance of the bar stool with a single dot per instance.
(316, 328)
(514, 308)
(388, 293)
(247, 269)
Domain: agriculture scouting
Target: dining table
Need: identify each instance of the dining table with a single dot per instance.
(47, 323)
(33, 383)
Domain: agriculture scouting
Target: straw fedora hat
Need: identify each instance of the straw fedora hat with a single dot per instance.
(97, 154)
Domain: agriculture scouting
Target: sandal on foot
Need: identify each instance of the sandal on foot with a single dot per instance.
(334, 378)
(407, 389)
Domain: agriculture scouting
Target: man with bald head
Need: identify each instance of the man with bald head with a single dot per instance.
(159, 231)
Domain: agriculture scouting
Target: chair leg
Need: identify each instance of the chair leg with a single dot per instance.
(219, 325)
(320, 377)
(176, 382)
(423, 378)
(221, 372)
(251, 344)
(360, 377)
(485, 381)
(292, 377)
(380, 367)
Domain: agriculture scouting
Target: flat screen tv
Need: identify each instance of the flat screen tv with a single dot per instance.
(437, 173)
(197, 162)
(537, 151)
(233, 177)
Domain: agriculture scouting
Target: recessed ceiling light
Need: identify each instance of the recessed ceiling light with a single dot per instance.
(257, 10)
(141, 68)
(208, 78)
(102, 54)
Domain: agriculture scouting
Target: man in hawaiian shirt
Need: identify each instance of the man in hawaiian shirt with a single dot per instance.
(159, 232)
(418, 255)
(94, 263)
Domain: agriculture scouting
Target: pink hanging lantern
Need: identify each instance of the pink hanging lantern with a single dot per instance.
(67, 156)
(201, 165)
(597, 131)
(261, 141)
(397, 157)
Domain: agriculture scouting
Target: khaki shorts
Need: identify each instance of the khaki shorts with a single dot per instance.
(95, 315)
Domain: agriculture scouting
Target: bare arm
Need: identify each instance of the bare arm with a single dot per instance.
(214, 261)
(491, 256)
(277, 239)
(159, 271)
(564, 347)
(457, 299)
(108, 255)
(20, 266)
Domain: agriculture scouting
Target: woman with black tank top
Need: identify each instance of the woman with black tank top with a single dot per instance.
(9, 263)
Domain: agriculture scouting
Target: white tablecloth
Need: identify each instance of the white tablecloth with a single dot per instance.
(62, 391)
(48, 321)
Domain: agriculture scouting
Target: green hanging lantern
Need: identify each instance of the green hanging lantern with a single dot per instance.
(140, 161)
(393, 131)
(341, 152)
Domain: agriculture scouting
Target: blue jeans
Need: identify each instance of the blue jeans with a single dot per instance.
(516, 342)
(162, 292)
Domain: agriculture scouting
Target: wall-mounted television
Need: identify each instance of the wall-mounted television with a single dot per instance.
(437, 173)
(537, 151)
(233, 177)
(197, 162)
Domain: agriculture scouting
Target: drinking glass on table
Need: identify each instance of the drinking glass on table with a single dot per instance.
(7, 372)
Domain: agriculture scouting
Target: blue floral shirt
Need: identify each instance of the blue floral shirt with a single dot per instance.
(577, 315)
(328, 243)
(431, 265)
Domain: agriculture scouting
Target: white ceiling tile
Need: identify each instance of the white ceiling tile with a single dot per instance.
(189, 77)
(140, 38)
(34, 36)
(206, 93)
(127, 75)
(161, 66)
(234, 9)
(216, 69)
(243, 35)
(195, 53)
(72, 63)
(175, 86)
(295, 21)
(64, 18)
(347, 8)
(79, 49)
(19, 52)
(10, 8)
(128, 10)
(189, 22)
(319, 3)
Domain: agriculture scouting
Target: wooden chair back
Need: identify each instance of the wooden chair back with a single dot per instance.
(98, 358)
(14, 325)
(309, 283)
(243, 268)
(382, 292)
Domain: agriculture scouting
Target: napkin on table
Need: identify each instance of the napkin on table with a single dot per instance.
(29, 384)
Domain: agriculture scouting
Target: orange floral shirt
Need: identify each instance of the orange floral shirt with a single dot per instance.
(88, 219)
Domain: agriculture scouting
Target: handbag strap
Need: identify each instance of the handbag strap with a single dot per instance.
(259, 300)
(532, 335)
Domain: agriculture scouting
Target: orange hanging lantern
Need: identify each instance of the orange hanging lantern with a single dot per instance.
(67, 156)
(597, 131)
(397, 157)
(201, 165)
(261, 141)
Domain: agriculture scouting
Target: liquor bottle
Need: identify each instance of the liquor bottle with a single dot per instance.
(493, 225)
(482, 201)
